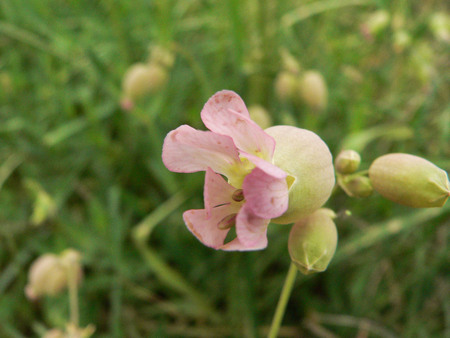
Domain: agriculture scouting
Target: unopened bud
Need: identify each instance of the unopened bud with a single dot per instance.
(375, 23)
(260, 116)
(142, 79)
(358, 186)
(50, 273)
(313, 90)
(54, 333)
(440, 26)
(347, 162)
(402, 40)
(286, 85)
(409, 180)
(312, 241)
(289, 62)
(309, 165)
(162, 56)
(47, 276)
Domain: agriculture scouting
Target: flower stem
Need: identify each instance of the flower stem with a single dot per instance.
(282, 301)
(73, 294)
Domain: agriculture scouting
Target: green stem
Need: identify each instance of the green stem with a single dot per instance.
(73, 294)
(282, 302)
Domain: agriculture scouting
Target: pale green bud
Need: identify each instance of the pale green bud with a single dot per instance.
(347, 162)
(289, 62)
(376, 23)
(260, 115)
(142, 79)
(312, 241)
(440, 26)
(402, 40)
(313, 90)
(409, 180)
(286, 85)
(309, 164)
(357, 186)
(162, 56)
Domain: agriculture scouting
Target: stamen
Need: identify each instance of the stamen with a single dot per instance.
(238, 195)
(227, 222)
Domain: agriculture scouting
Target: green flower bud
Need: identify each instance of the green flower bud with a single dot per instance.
(313, 90)
(357, 186)
(402, 40)
(376, 22)
(308, 162)
(162, 56)
(286, 86)
(347, 162)
(409, 180)
(312, 241)
(260, 115)
(142, 79)
(440, 26)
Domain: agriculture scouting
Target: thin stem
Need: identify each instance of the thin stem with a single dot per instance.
(73, 293)
(282, 302)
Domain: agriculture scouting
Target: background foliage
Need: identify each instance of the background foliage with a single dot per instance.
(78, 171)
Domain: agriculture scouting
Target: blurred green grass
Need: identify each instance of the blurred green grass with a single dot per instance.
(62, 131)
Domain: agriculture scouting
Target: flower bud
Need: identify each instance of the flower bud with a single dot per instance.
(358, 186)
(347, 162)
(402, 40)
(308, 162)
(47, 276)
(375, 23)
(313, 90)
(260, 116)
(141, 79)
(286, 85)
(409, 180)
(312, 241)
(162, 56)
(440, 26)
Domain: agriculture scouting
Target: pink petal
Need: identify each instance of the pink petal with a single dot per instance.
(226, 114)
(266, 196)
(251, 230)
(236, 245)
(217, 192)
(205, 227)
(267, 167)
(187, 150)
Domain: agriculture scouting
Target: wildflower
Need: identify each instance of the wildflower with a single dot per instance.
(239, 149)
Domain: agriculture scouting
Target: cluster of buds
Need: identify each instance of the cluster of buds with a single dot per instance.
(354, 184)
(146, 78)
(50, 273)
(309, 86)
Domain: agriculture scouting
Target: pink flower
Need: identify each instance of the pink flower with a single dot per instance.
(236, 147)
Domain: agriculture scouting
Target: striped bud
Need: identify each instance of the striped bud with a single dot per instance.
(409, 180)
(312, 241)
(308, 162)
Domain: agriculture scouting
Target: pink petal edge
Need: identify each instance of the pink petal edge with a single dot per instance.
(221, 116)
(187, 150)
